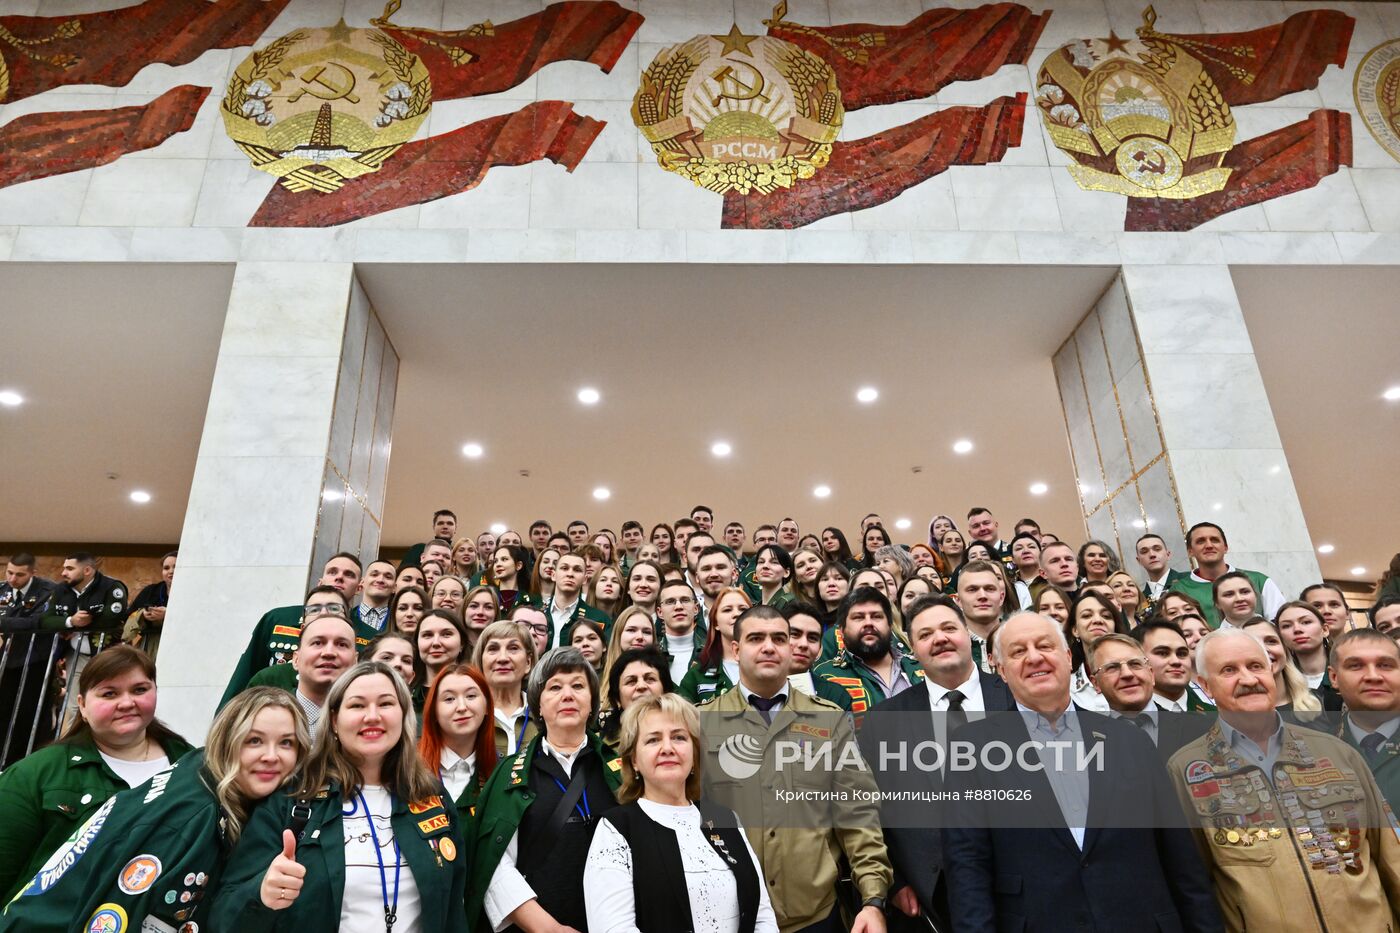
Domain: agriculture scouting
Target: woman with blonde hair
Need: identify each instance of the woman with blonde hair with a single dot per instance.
(481, 608)
(1290, 685)
(1128, 595)
(505, 654)
(144, 842)
(605, 593)
(664, 822)
(806, 564)
(635, 627)
(466, 562)
(370, 840)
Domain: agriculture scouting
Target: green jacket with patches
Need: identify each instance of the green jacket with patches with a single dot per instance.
(45, 797)
(854, 687)
(436, 857)
(581, 611)
(702, 683)
(273, 640)
(147, 856)
(502, 806)
(1384, 763)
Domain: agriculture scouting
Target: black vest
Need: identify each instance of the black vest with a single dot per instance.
(658, 877)
(552, 860)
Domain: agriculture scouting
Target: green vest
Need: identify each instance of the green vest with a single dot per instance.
(854, 687)
(48, 795)
(1200, 591)
(428, 833)
(502, 806)
(152, 852)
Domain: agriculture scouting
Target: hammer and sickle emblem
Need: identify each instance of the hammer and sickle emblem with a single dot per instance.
(734, 87)
(319, 84)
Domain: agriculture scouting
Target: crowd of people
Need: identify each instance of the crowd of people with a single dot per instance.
(540, 733)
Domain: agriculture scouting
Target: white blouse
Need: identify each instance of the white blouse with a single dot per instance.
(362, 901)
(714, 898)
(136, 773)
(457, 771)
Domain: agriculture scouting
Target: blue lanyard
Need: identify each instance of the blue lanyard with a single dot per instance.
(524, 723)
(391, 914)
(582, 808)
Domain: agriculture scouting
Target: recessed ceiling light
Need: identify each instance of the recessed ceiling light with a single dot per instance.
(601, 493)
(10, 399)
(1275, 470)
(867, 394)
(140, 496)
(1391, 394)
(1325, 549)
(902, 523)
(1139, 523)
(721, 449)
(332, 495)
(1358, 571)
(1216, 507)
(963, 446)
(1039, 489)
(498, 528)
(472, 450)
(821, 492)
(588, 396)
(1083, 488)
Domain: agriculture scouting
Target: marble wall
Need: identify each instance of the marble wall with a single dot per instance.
(1169, 424)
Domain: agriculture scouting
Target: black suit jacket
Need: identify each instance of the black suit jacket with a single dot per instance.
(1011, 869)
(1177, 730)
(24, 615)
(916, 851)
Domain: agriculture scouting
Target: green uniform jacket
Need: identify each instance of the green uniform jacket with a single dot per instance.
(808, 826)
(834, 643)
(1384, 764)
(581, 611)
(274, 639)
(278, 675)
(853, 686)
(700, 684)
(48, 795)
(502, 806)
(148, 854)
(436, 857)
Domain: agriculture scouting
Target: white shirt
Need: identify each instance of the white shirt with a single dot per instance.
(511, 723)
(1082, 692)
(1315, 680)
(1171, 706)
(714, 896)
(457, 771)
(362, 900)
(508, 888)
(560, 616)
(136, 773)
(802, 682)
(973, 702)
(681, 648)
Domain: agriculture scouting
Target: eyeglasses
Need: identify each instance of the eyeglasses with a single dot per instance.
(1115, 668)
(323, 609)
(539, 628)
(679, 601)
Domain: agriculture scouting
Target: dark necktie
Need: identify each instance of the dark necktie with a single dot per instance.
(766, 706)
(957, 717)
(1372, 744)
(1141, 720)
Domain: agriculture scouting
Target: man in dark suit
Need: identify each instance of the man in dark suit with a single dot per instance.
(1123, 674)
(27, 661)
(1092, 839)
(1365, 667)
(954, 689)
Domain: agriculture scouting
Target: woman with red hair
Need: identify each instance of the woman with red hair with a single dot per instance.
(458, 742)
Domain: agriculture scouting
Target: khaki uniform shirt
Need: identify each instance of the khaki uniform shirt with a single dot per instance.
(800, 820)
(1311, 846)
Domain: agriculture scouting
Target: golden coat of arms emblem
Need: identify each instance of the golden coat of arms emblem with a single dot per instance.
(1377, 93)
(320, 106)
(1139, 116)
(739, 113)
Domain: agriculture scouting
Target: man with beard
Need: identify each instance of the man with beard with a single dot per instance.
(870, 667)
(1293, 828)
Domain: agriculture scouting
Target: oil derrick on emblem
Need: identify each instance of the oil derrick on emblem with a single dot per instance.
(1377, 93)
(739, 113)
(1140, 117)
(320, 106)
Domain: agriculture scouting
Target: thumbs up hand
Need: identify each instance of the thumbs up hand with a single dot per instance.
(284, 877)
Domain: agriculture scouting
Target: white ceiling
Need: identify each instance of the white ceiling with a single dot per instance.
(115, 362)
(1325, 340)
(766, 358)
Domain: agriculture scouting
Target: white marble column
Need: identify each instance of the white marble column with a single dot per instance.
(291, 468)
(1169, 424)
